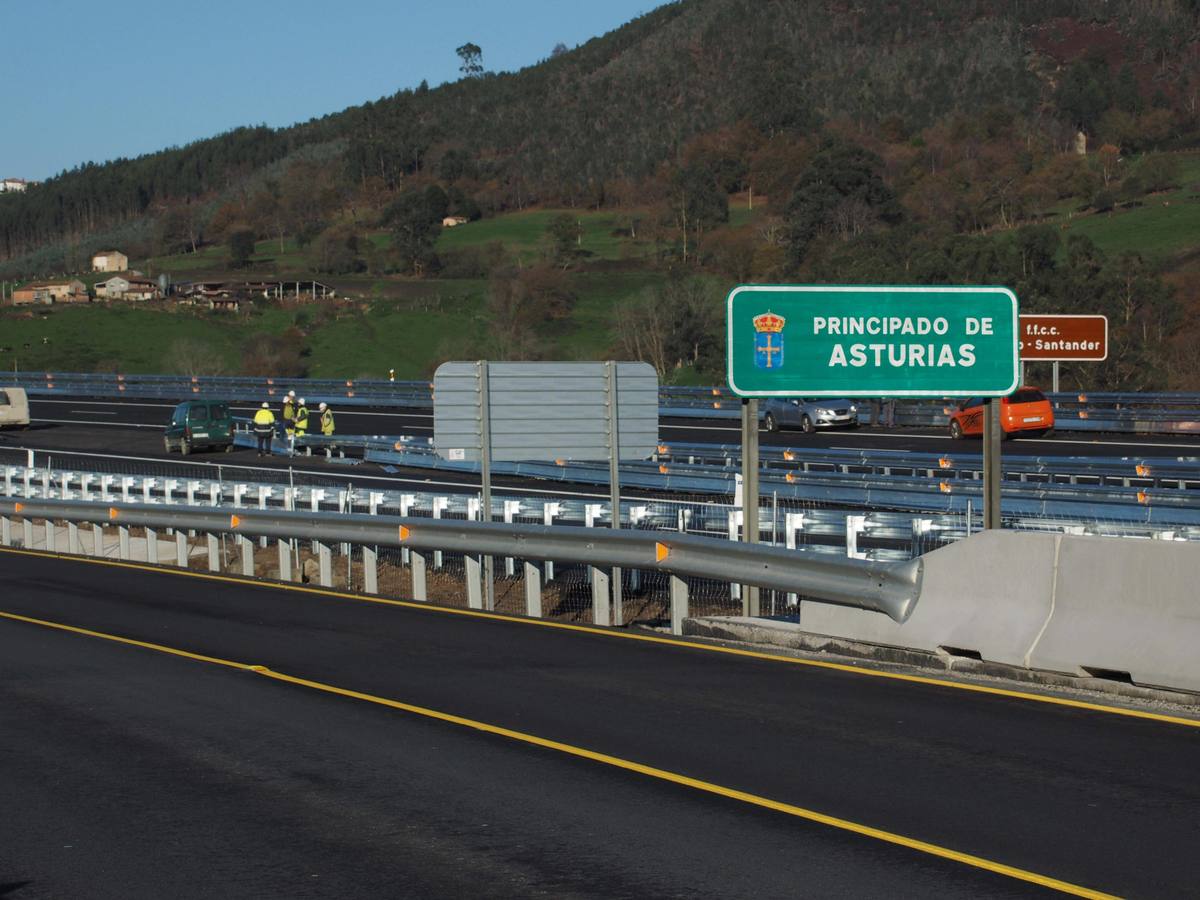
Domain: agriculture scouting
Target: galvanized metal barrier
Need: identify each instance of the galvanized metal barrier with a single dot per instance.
(889, 588)
(1159, 413)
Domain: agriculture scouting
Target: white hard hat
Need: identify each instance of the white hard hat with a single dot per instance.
(322, 406)
(291, 393)
(266, 405)
(301, 401)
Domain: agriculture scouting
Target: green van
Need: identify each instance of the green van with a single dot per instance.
(199, 425)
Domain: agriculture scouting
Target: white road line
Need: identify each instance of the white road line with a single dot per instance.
(94, 412)
(110, 424)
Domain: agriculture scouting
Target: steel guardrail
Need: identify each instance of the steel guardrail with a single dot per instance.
(1150, 413)
(888, 588)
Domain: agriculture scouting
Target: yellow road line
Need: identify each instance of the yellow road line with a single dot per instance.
(633, 636)
(617, 762)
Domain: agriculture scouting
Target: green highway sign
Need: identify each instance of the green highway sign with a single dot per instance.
(872, 341)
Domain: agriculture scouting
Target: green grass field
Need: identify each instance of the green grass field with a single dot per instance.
(525, 233)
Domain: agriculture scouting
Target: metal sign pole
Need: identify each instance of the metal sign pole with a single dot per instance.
(750, 605)
(992, 432)
(485, 469)
(1054, 377)
(614, 482)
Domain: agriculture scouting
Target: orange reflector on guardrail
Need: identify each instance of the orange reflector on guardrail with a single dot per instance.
(234, 521)
(1143, 497)
(349, 384)
(1083, 398)
(405, 532)
(661, 551)
(663, 470)
(17, 507)
(1083, 414)
(663, 448)
(113, 512)
(120, 387)
(50, 384)
(945, 462)
(791, 479)
(945, 487)
(270, 381)
(559, 461)
(349, 393)
(716, 404)
(789, 455)
(716, 392)
(399, 445)
(1143, 470)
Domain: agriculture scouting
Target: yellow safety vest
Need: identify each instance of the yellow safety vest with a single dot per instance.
(302, 419)
(264, 417)
(327, 422)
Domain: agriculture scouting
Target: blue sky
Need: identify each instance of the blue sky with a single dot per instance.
(93, 81)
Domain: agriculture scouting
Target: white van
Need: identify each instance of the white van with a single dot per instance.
(14, 407)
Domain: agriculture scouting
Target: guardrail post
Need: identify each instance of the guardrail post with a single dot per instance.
(324, 564)
(511, 508)
(74, 545)
(533, 589)
(419, 587)
(474, 578)
(854, 524)
(27, 533)
(214, 494)
(147, 490)
(85, 486)
(792, 524)
(181, 549)
(285, 559)
(679, 604)
(168, 490)
(8, 474)
(406, 503)
(439, 504)
(264, 494)
(192, 487)
(5, 531)
(46, 482)
(51, 543)
(123, 542)
(214, 553)
(151, 546)
(126, 484)
(600, 581)
(105, 483)
(27, 479)
(246, 549)
(370, 560)
(239, 491)
(735, 524)
(549, 511)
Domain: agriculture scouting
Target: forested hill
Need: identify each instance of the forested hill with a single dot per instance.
(586, 126)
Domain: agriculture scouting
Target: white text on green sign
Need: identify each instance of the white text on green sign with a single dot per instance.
(869, 341)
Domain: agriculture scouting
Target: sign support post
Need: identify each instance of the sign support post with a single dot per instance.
(485, 471)
(992, 472)
(750, 602)
(614, 483)
(1054, 377)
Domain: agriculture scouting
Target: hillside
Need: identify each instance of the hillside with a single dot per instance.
(705, 143)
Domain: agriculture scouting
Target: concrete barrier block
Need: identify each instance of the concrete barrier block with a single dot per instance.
(989, 594)
(1126, 606)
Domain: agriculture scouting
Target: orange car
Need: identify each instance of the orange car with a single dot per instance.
(1027, 411)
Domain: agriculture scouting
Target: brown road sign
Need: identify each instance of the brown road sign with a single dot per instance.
(1062, 338)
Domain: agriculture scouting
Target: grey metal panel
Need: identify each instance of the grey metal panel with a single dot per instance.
(544, 410)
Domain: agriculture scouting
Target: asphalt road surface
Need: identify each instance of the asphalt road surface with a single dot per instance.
(392, 750)
(114, 426)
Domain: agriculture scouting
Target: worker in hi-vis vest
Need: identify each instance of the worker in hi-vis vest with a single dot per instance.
(264, 428)
(326, 419)
(301, 419)
(288, 413)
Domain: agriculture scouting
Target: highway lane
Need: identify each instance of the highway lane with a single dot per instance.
(257, 786)
(107, 414)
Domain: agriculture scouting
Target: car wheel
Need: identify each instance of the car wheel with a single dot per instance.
(956, 431)
(185, 446)
(769, 423)
(806, 425)
(166, 445)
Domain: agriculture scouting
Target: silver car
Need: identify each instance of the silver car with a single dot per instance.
(807, 414)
